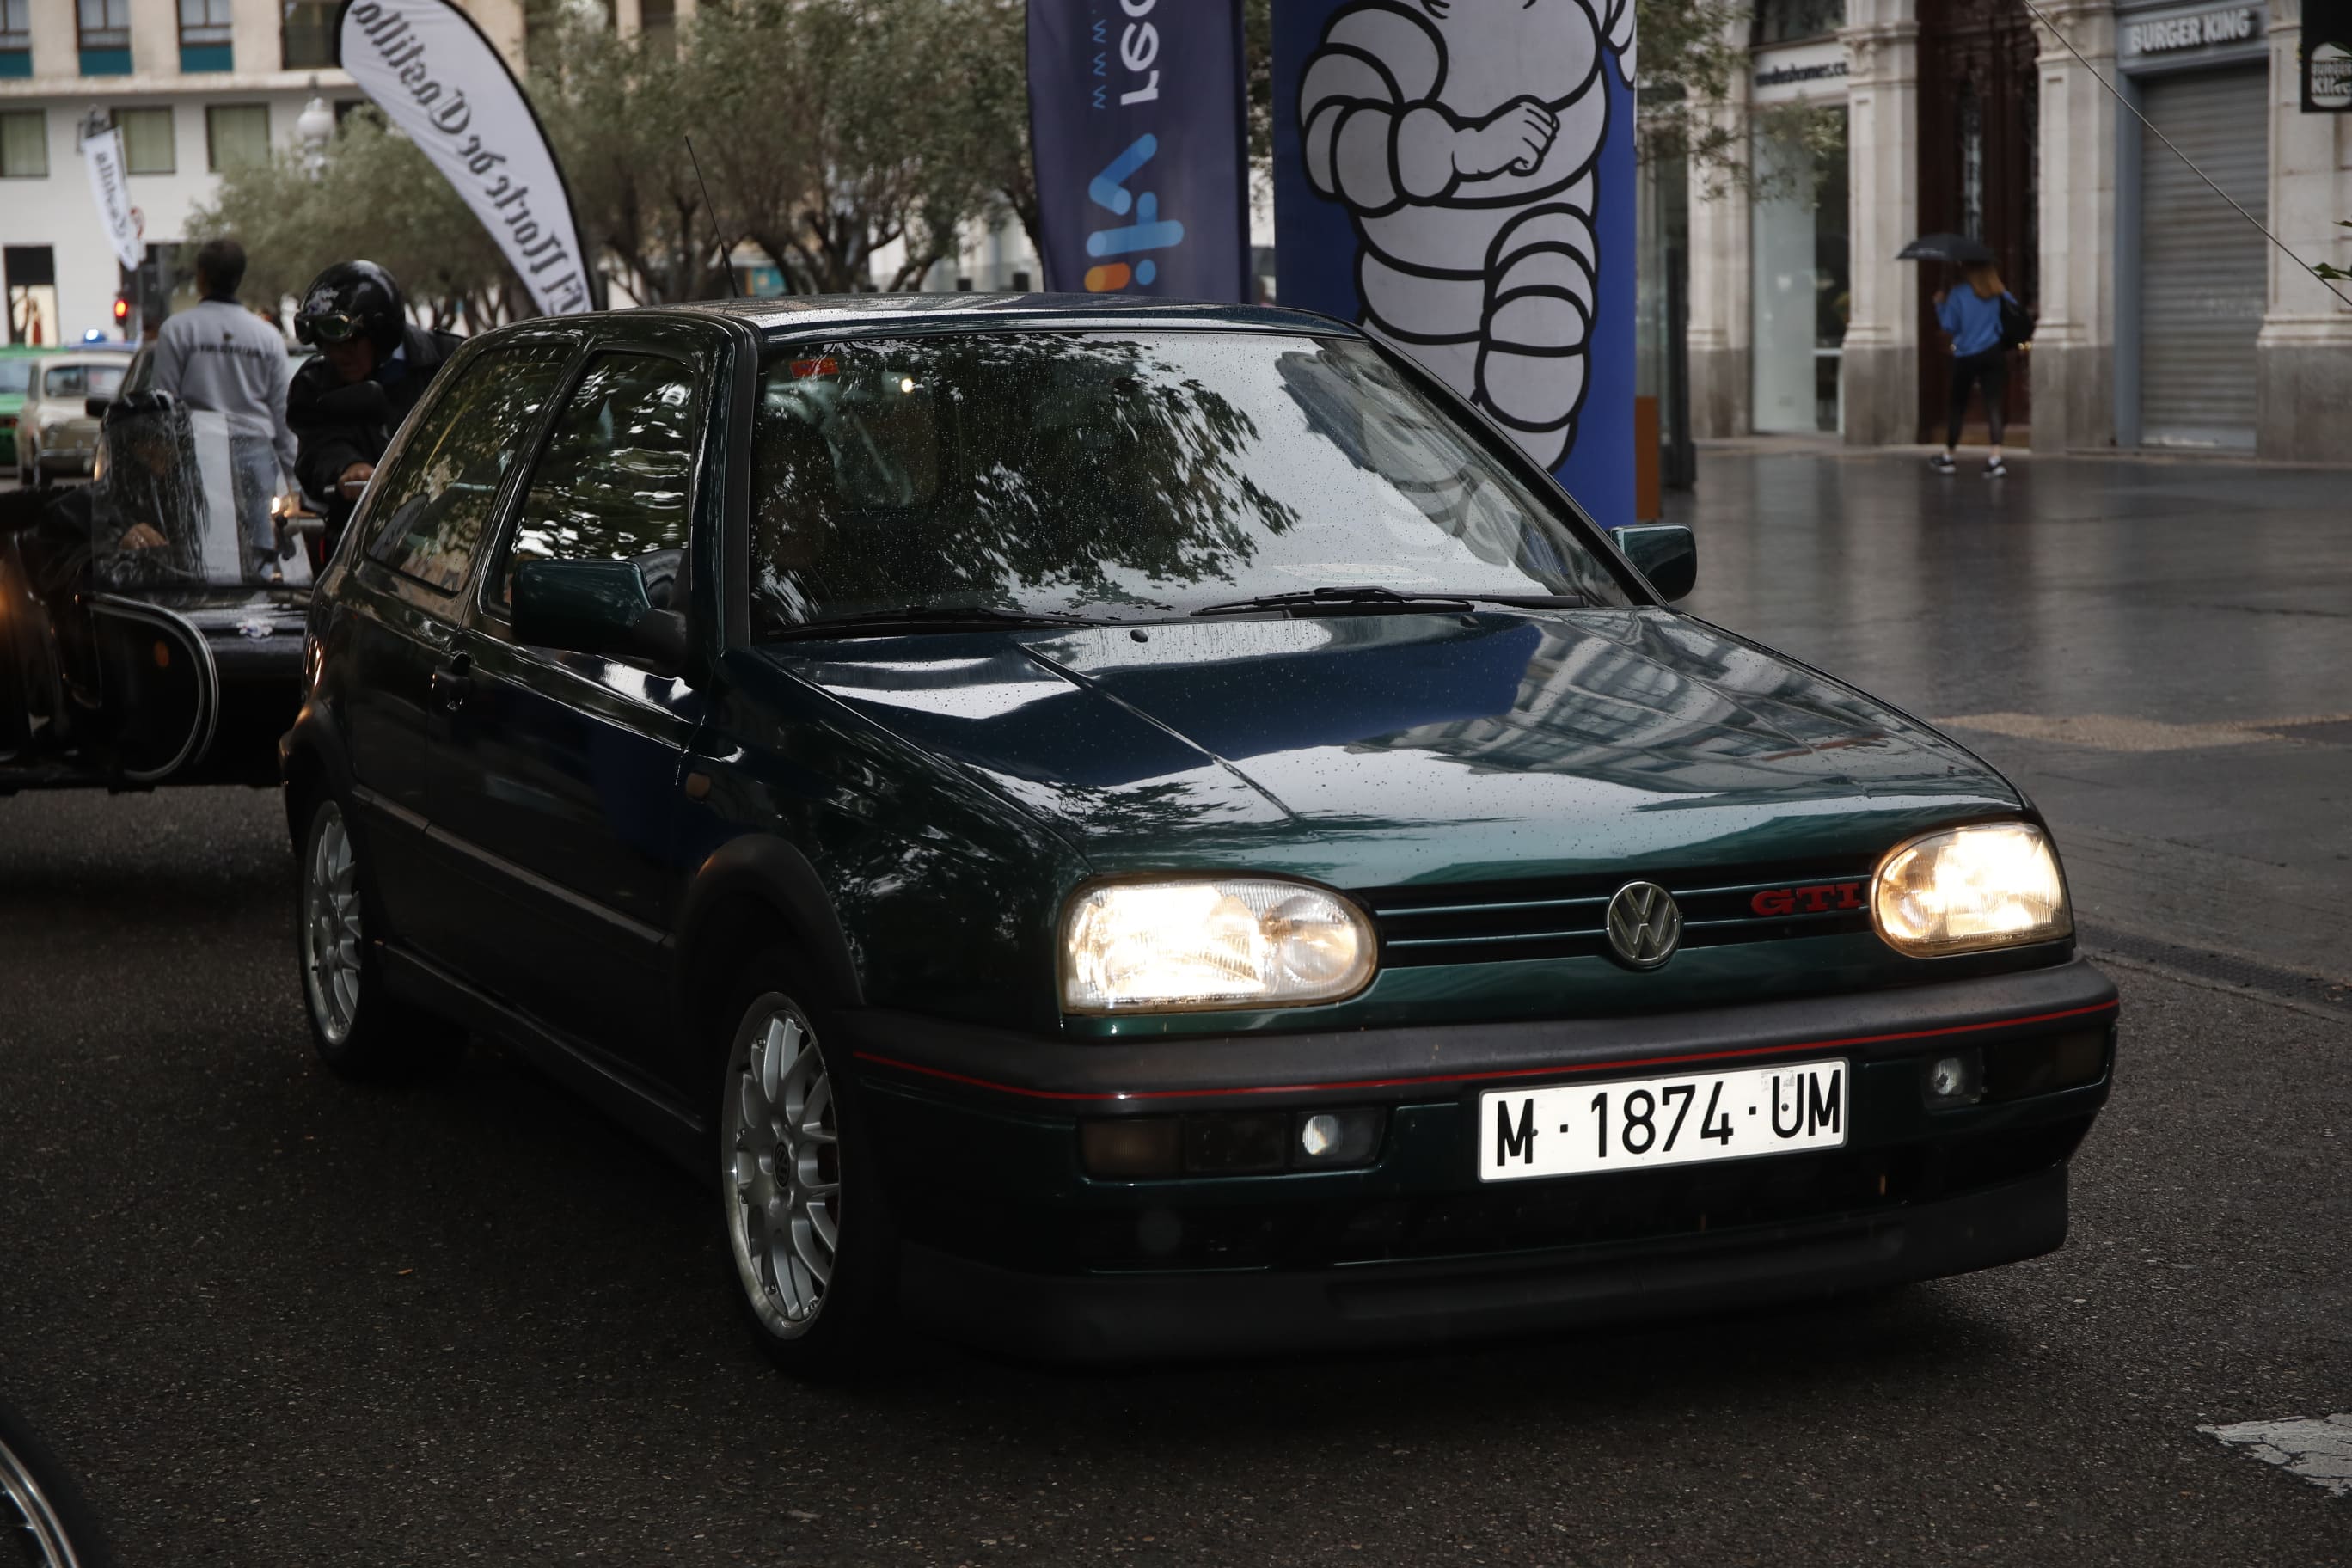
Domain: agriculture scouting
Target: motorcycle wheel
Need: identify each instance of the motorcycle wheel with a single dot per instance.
(41, 1509)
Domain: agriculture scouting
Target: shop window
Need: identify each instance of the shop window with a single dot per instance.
(207, 39)
(306, 34)
(147, 140)
(31, 273)
(105, 37)
(24, 144)
(15, 38)
(1787, 21)
(237, 136)
(1801, 283)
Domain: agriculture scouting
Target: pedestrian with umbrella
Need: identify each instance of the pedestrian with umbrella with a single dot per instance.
(1982, 318)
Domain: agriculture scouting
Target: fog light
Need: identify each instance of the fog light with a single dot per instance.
(1325, 1140)
(1317, 1135)
(1955, 1080)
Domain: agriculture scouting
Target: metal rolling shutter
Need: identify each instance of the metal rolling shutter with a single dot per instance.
(2202, 278)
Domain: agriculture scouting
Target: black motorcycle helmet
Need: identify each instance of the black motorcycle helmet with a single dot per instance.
(350, 299)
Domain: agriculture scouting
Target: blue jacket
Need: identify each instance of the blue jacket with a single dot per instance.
(1974, 324)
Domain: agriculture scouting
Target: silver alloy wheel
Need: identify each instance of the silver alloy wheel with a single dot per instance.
(330, 926)
(779, 1173)
(30, 1516)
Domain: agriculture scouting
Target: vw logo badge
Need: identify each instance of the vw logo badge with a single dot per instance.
(1646, 925)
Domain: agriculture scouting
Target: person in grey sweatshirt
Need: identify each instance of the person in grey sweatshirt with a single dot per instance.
(222, 358)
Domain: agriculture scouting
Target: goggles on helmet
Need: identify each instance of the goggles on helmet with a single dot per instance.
(328, 327)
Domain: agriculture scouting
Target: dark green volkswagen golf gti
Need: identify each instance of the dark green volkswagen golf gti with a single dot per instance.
(1120, 829)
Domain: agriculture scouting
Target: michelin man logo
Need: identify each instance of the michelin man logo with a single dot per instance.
(1463, 135)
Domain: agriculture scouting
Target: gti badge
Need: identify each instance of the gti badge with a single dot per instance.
(1646, 925)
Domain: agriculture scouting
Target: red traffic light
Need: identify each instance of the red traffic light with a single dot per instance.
(121, 309)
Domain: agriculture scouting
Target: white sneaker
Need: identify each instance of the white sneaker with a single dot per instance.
(1995, 468)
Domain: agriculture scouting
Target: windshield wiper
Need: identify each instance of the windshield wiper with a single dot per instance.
(1367, 597)
(1339, 598)
(931, 618)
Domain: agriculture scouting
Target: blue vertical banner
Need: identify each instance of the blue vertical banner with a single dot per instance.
(1457, 175)
(1135, 128)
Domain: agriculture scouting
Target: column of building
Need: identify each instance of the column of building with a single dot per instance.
(1881, 366)
(1721, 375)
(2304, 354)
(2072, 359)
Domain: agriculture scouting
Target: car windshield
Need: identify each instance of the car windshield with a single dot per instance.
(1131, 476)
(15, 375)
(81, 380)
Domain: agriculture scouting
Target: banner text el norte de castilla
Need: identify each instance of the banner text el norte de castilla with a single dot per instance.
(440, 80)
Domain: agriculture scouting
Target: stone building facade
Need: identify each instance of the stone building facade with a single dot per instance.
(2167, 319)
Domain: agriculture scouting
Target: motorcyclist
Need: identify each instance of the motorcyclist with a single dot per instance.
(353, 312)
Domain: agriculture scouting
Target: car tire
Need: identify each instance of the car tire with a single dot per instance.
(40, 1507)
(810, 1249)
(360, 1030)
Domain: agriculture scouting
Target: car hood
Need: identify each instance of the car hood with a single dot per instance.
(1378, 749)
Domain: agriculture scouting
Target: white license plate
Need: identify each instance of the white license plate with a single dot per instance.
(1623, 1124)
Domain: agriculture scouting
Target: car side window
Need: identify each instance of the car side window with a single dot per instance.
(616, 479)
(437, 503)
(65, 381)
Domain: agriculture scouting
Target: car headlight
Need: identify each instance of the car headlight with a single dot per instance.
(1993, 884)
(1199, 942)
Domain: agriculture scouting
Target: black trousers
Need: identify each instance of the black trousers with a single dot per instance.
(1989, 370)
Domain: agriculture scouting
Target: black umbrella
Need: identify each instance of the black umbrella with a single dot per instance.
(1957, 249)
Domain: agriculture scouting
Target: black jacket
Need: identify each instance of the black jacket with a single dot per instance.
(328, 441)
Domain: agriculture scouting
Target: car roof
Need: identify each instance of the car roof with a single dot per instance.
(805, 315)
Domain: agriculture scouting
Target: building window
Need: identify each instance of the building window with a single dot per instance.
(147, 140)
(105, 37)
(207, 37)
(659, 19)
(237, 136)
(1972, 162)
(1787, 21)
(15, 38)
(306, 35)
(24, 144)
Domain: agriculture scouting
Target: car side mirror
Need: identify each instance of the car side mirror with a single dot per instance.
(599, 608)
(96, 408)
(1666, 554)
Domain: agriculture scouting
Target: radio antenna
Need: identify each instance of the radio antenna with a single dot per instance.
(734, 289)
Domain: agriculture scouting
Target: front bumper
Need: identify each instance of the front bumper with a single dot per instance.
(1123, 1317)
(1009, 1237)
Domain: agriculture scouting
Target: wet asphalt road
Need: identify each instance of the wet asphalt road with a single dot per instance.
(274, 1319)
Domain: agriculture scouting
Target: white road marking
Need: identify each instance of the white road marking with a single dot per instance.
(2108, 732)
(2318, 1451)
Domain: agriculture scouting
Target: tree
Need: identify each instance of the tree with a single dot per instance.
(618, 112)
(852, 124)
(376, 195)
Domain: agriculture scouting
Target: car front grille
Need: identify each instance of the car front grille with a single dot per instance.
(1487, 922)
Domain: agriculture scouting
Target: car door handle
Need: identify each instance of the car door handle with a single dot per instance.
(454, 684)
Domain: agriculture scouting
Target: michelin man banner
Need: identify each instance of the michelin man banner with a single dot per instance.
(431, 71)
(1136, 123)
(1458, 176)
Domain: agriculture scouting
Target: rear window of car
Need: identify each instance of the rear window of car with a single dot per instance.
(15, 375)
(1120, 476)
(437, 503)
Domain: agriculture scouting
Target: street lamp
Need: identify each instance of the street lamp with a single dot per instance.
(312, 128)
